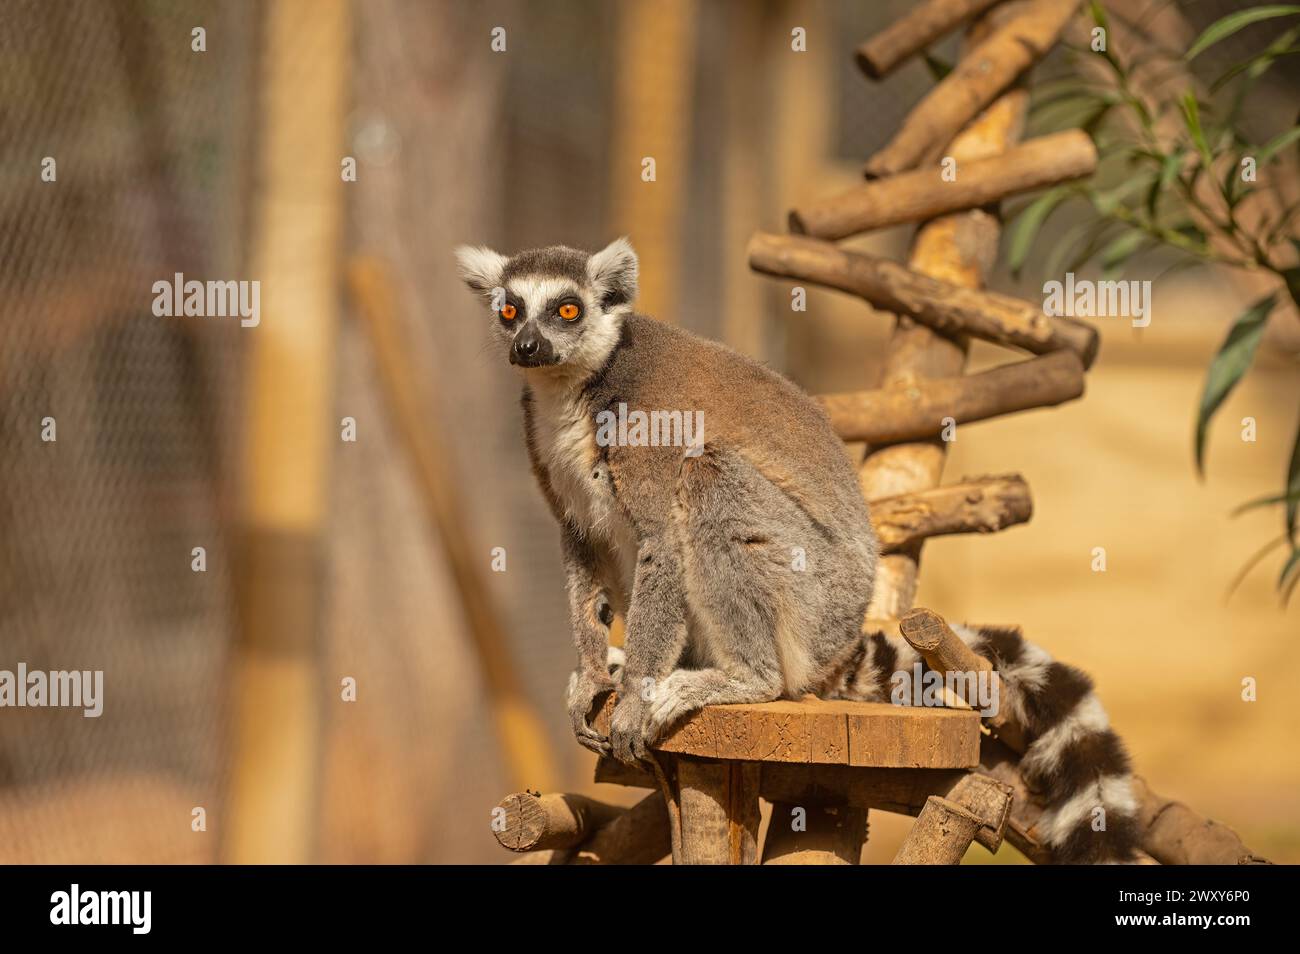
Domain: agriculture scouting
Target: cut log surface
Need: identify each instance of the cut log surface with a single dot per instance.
(536, 823)
(941, 835)
(924, 193)
(927, 22)
(941, 306)
(982, 505)
(815, 731)
(918, 411)
(972, 85)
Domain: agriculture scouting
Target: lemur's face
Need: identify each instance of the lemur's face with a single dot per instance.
(555, 310)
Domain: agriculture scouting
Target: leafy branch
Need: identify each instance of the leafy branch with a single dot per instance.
(1177, 175)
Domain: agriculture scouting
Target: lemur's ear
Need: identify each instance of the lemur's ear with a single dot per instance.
(481, 268)
(612, 271)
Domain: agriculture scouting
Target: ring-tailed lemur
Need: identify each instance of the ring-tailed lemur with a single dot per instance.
(730, 532)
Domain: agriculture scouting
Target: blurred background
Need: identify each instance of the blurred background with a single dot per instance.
(224, 688)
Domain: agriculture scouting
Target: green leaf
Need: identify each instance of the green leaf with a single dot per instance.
(1169, 170)
(1192, 117)
(939, 68)
(1098, 14)
(1293, 488)
(1277, 144)
(1260, 63)
(1225, 27)
(1290, 569)
(1231, 362)
(1267, 501)
(1028, 224)
(1119, 249)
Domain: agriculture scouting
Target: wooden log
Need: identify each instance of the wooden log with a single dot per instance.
(638, 836)
(927, 633)
(719, 812)
(1173, 834)
(891, 415)
(610, 771)
(915, 31)
(538, 822)
(827, 834)
(972, 85)
(816, 731)
(942, 306)
(941, 836)
(981, 505)
(988, 800)
(922, 194)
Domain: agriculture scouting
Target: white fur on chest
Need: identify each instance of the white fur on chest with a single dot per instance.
(564, 437)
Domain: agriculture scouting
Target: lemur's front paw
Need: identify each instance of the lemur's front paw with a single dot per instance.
(673, 699)
(583, 690)
(627, 730)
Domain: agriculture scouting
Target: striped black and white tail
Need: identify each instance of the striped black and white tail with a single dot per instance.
(1074, 763)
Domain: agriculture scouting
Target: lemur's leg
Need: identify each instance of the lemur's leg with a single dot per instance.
(589, 615)
(656, 635)
(734, 527)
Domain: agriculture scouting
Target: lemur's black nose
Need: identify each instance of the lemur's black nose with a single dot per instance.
(531, 348)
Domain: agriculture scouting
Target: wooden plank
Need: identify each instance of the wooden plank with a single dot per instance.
(820, 732)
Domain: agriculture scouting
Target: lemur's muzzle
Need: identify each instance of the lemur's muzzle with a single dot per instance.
(531, 349)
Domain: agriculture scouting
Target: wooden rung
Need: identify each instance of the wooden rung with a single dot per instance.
(909, 34)
(539, 822)
(972, 85)
(918, 412)
(923, 194)
(979, 505)
(815, 731)
(941, 306)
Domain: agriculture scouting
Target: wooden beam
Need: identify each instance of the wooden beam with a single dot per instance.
(917, 412)
(539, 822)
(981, 505)
(925, 23)
(923, 193)
(816, 731)
(1173, 834)
(941, 306)
(638, 836)
(972, 85)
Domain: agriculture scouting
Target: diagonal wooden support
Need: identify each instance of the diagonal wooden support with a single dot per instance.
(908, 35)
(942, 306)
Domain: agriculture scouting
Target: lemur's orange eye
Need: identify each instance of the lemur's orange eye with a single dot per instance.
(508, 312)
(569, 311)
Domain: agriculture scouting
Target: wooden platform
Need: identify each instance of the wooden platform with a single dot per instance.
(817, 732)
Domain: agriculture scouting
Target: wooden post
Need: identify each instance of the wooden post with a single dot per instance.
(958, 249)
(833, 835)
(943, 832)
(719, 812)
(923, 193)
(277, 689)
